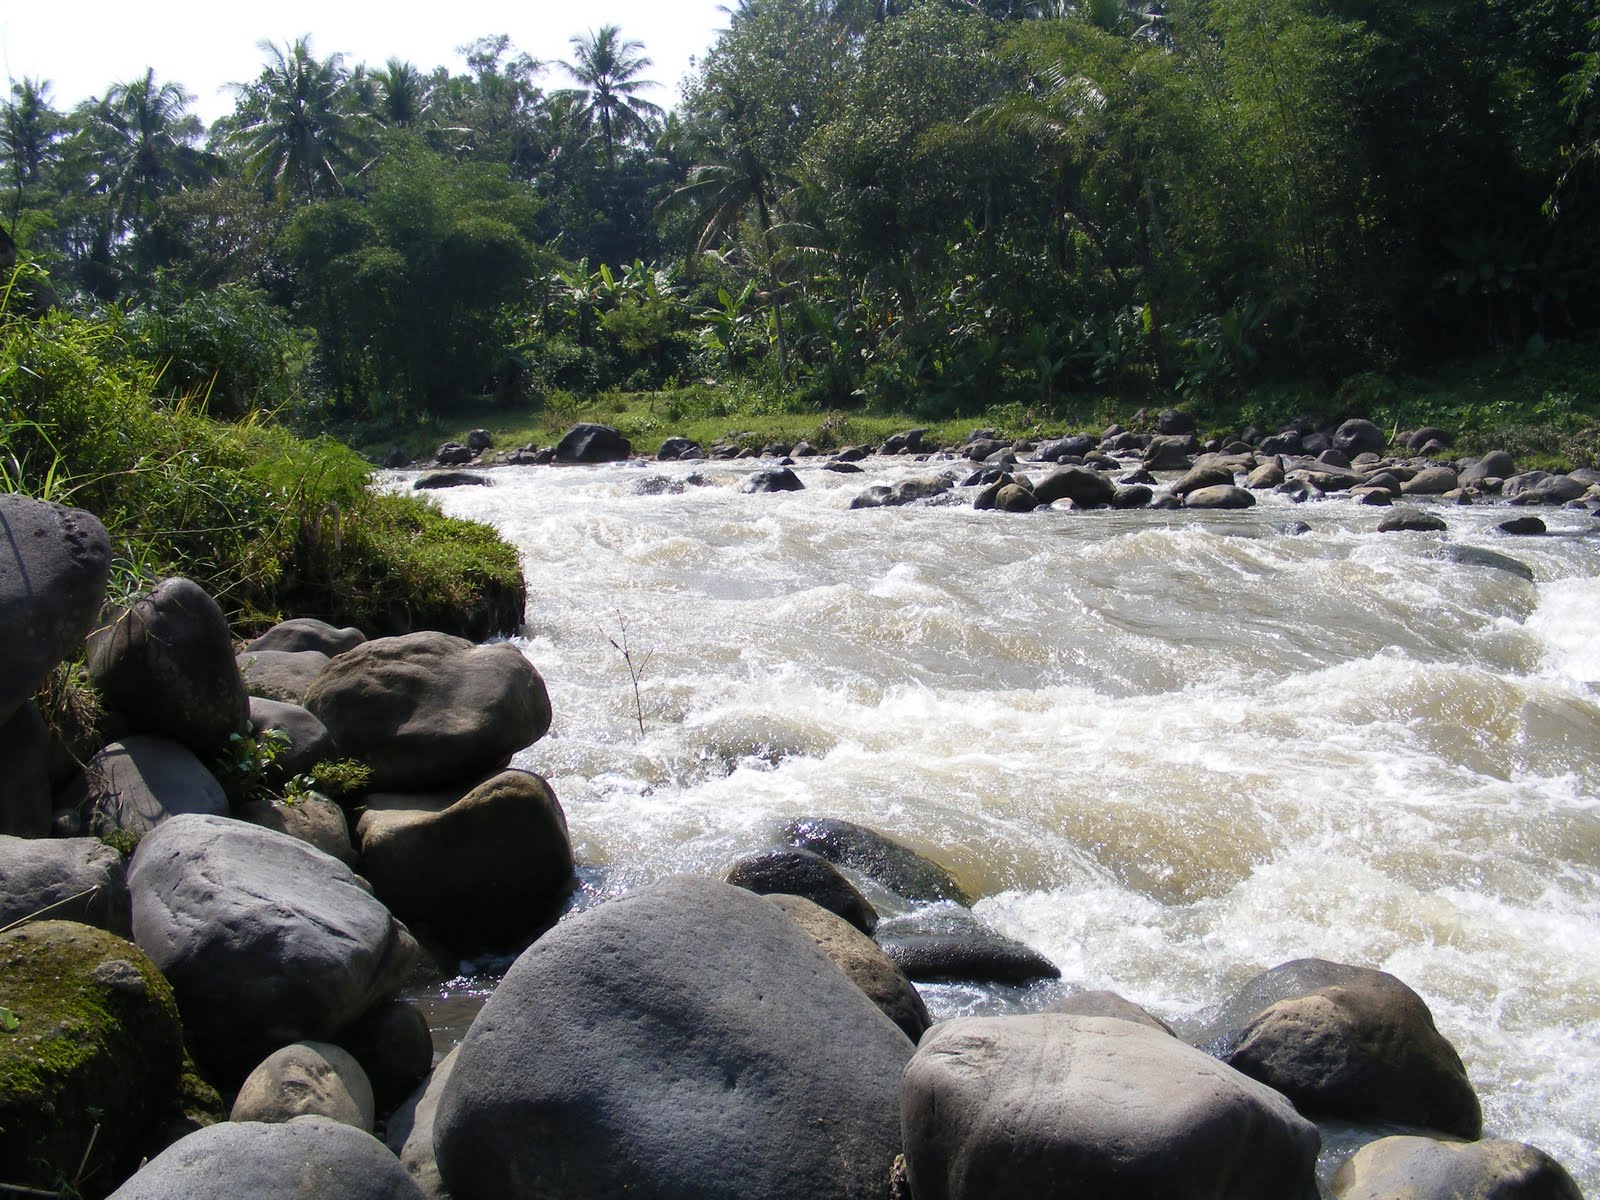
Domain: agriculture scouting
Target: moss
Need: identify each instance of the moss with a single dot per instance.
(95, 1058)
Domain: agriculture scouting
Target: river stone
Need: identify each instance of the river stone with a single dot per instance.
(1422, 1168)
(1358, 436)
(1132, 496)
(1014, 498)
(394, 1046)
(54, 563)
(1068, 447)
(946, 941)
(1430, 481)
(409, 1131)
(25, 770)
(1346, 1041)
(490, 866)
(307, 1079)
(166, 663)
(1523, 526)
(427, 709)
(1497, 464)
(1082, 485)
(772, 479)
(37, 874)
(309, 1158)
(453, 454)
(266, 940)
(859, 957)
(432, 481)
(794, 872)
(308, 633)
(312, 818)
(687, 1039)
(98, 1044)
(1411, 520)
(1536, 487)
(309, 739)
(907, 491)
(882, 859)
(1219, 496)
(674, 448)
(1267, 475)
(1202, 475)
(1477, 556)
(282, 675)
(589, 443)
(1169, 453)
(138, 783)
(1106, 1004)
(1048, 1106)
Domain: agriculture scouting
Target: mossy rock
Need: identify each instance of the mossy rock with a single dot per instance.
(90, 1056)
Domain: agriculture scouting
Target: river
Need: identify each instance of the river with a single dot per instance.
(1166, 749)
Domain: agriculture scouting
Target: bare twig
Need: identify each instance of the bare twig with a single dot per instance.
(35, 915)
(635, 670)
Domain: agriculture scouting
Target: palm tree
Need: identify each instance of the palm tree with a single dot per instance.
(28, 131)
(298, 131)
(149, 148)
(607, 69)
(403, 98)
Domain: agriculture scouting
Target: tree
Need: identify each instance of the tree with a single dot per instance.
(28, 133)
(403, 99)
(607, 70)
(151, 148)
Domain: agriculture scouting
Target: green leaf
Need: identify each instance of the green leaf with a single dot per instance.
(8, 1021)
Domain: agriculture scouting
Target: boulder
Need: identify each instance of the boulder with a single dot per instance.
(1219, 497)
(1476, 556)
(307, 1079)
(1132, 496)
(166, 663)
(432, 481)
(1541, 487)
(1169, 453)
(311, 818)
(793, 872)
(1422, 1168)
(409, 1131)
(427, 709)
(25, 770)
(1067, 447)
(281, 675)
(309, 739)
(1418, 438)
(1497, 464)
(1522, 526)
(1173, 421)
(880, 858)
(1411, 520)
(66, 879)
(946, 941)
(589, 443)
(907, 491)
(1202, 475)
(1050, 1106)
(909, 442)
(1346, 1041)
(137, 783)
(1359, 437)
(1082, 485)
(310, 1158)
(1430, 481)
(1106, 1004)
(480, 440)
(771, 479)
(687, 1039)
(453, 454)
(307, 633)
(266, 939)
(95, 1058)
(394, 1046)
(489, 866)
(54, 564)
(675, 448)
(1014, 498)
(1268, 475)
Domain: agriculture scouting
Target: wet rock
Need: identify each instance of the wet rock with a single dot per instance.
(1421, 1168)
(433, 481)
(394, 1047)
(841, 468)
(1346, 1041)
(282, 675)
(859, 957)
(166, 662)
(54, 563)
(1132, 496)
(136, 784)
(1169, 454)
(427, 709)
(1411, 520)
(590, 443)
(1050, 1105)
(771, 479)
(1375, 497)
(25, 770)
(308, 633)
(453, 454)
(1219, 497)
(1522, 526)
(307, 1079)
(1014, 498)
(1083, 486)
(312, 819)
(66, 879)
(907, 491)
(783, 1077)
(1294, 529)
(1106, 1004)
(492, 865)
(880, 858)
(1067, 447)
(266, 939)
(311, 1158)
(95, 1058)
(675, 448)
(909, 442)
(1476, 556)
(948, 942)
(793, 872)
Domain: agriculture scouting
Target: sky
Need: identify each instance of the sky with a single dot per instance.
(84, 46)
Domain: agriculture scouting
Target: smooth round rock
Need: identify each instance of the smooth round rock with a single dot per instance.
(948, 942)
(1421, 1168)
(136, 784)
(795, 872)
(308, 633)
(1220, 496)
(1411, 520)
(772, 479)
(66, 879)
(282, 675)
(879, 857)
(590, 443)
(307, 1079)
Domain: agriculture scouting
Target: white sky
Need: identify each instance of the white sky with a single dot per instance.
(84, 46)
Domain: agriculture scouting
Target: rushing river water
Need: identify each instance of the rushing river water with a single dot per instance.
(1167, 749)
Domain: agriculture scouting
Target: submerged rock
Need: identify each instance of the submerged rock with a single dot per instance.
(948, 942)
(879, 857)
(794, 872)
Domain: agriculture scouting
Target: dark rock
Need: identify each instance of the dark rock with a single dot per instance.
(427, 709)
(1379, 497)
(1540, 487)
(1430, 481)
(490, 866)
(54, 563)
(25, 769)
(772, 479)
(1522, 525)
(1345, 1041)
(166, 663)
(948, 942)
(842, 468)
(1418, 438)
(312, 1158)
(1056, 1106)
(282, 675)
(882, 859)
(480, 440)
(266, 940)
(984, 449)
(1106, 1004)
(793, 872)
(453, 454)
(95, 1059)
(307, 633)
(1334, 457)
(1280, 443)
(803, 449)
(1083, 486)
(852, 454)
(309, 739)
(1014, 498)
(1219, 496)
(1294, 529)
(1172, 422)
(1169, 454)
(1476, 556)
(307, 1079)
(434, 480)
(394, 1047)
(909, 442)
(1066, 447)
(907, 491)
(1411, 520)
(1316, 441)
(1422, 1168)
(1135, 496)
(674, 448)
(1497, 464)
(138, 783)
(588, 443)
(66, 879)
(687, 1039)
(1359, 437)
(396, 458)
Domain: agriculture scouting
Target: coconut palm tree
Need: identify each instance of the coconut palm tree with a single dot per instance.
(149, 148)
(403, 99)
(607, 69)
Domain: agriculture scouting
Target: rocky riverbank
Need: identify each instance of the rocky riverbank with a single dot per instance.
(690, 1038)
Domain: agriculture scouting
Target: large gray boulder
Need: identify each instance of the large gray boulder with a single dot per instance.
(685, 1040)
(1422, 1168)
(1358, 436)
(1084, 486)
(1346, 1041)
(590, 443)
(309, 1158)
(877, 856)
(282, 675)
(1050, 1106)
(24, 773)
(75, 879)
(54, 563)
(137, 783)
(307, 1079)
(490, 866)
(308, 633)
(427, 709)
(166, 663)
(266, 939)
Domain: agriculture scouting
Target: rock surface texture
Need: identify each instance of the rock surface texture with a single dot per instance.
(1420, 1168)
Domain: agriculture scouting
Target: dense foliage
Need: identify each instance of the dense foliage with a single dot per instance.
(934, 205)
